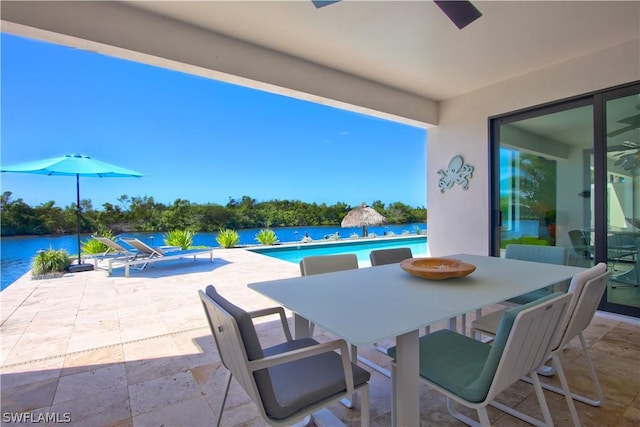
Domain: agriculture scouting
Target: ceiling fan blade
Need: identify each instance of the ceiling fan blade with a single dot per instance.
(461, 13)
(620, 131)
(322, 3)
(633, 123)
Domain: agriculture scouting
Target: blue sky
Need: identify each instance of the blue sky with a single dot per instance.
(193, 138)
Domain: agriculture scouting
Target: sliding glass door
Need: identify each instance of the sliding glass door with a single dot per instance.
(622, 137)
(544, 192)
(568, 174)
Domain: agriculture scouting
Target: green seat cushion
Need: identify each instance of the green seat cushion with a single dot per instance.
(454, 362)
(463, 365)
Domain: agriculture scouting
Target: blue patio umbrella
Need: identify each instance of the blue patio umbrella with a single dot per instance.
(73, 165)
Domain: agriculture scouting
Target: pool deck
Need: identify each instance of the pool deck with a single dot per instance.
(116, 351)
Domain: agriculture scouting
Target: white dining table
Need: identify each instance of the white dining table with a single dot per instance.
(366, 305)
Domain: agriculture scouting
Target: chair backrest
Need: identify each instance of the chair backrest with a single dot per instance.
(586, 290)
(238, 343)
(141, 246)
(523, 341)
(389, 256)
(621, 245)
(111, 244)
(579, 241)
(327, 263)
(536, 253)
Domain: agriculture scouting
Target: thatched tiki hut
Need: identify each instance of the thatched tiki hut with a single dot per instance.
(363, 216)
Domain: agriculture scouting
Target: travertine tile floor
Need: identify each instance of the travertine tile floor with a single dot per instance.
(111, 351)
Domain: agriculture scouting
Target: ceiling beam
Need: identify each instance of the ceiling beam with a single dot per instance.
(116, 29)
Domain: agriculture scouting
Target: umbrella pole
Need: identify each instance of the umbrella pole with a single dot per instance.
(78, 213)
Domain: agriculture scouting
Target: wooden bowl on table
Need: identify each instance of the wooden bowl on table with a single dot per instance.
(437, 268)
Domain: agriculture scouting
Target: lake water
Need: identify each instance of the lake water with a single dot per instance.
(16, 252)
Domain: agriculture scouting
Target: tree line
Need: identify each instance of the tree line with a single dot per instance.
(145, 214)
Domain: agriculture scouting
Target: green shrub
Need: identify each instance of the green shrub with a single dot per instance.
(93, 246)
(524, 240)
(50, 261)
(228, 238)
(181, 238)
(267, 237)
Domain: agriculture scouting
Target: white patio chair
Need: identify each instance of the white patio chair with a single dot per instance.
(330, 263)
(389, 256)
(288, 381)
(534, 253)
(473, 373)
(622, 249)
(547, 254)
(320, 264)
(586, 290)
(392, 256)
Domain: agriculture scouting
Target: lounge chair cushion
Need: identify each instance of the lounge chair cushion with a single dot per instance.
(461, 364)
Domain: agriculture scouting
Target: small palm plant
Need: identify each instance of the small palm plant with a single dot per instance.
(228, 238)
(181, 238)
(267, 237)
(49, 261)
(94, 246)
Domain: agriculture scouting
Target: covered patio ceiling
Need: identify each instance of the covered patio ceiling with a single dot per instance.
(394, 59)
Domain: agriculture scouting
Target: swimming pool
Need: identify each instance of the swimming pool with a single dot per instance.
(361, 248)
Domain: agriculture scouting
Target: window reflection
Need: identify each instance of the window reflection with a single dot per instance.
(623, 201)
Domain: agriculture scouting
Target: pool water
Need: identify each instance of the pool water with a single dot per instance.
(361, 248)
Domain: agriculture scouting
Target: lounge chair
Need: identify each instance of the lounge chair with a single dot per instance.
(154, 254)
(114, 251)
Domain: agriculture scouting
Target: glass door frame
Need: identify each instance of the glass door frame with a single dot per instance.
(600, 167)
(598, 101)
(495, 123)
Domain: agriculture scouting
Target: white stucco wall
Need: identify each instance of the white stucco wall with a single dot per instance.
(459, 220)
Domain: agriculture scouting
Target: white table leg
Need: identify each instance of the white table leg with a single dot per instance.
(300, 326)
(406, 405)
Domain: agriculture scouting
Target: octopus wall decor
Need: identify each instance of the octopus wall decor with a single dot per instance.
(456, 173)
